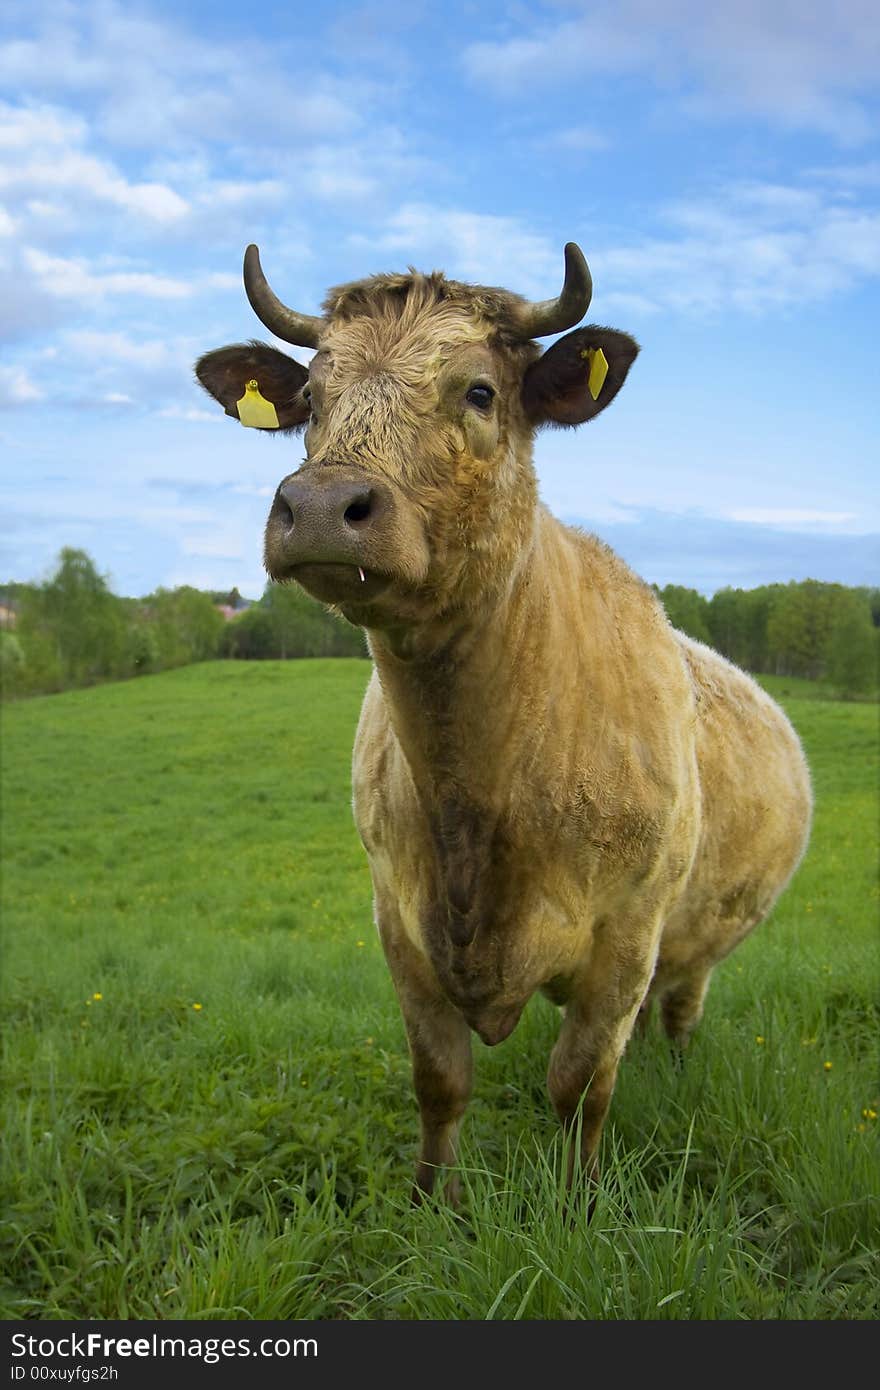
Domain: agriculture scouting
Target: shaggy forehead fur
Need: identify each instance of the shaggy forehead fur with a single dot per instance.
(415, 292)
(417, 314)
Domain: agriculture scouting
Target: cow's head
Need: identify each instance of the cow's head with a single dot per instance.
(417, 492)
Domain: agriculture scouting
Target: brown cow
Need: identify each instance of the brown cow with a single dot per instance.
(556, 790)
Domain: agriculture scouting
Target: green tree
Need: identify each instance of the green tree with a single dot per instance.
(799, 628)
(186, 625)
(12, 664)
(76, 614)
(872, 599)
(757, 607)
(250, 637)
(288, 623)
(852, 649)
(41, 668)
(301, 626)
(143, 642)
(688, 610)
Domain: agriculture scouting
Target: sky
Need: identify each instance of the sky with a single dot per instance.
(719, 165)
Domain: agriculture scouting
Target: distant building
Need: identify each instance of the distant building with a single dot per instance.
(231, 605)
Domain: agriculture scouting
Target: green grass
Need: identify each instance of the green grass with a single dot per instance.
(799, 688)
(186, 839)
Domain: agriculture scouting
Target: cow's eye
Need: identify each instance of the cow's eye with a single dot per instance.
(481, 396)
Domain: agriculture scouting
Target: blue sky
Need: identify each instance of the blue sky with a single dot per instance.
(718, 164)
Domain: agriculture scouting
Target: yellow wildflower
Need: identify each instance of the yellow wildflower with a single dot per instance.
(827, 1065)
(759, 1039)
(97, 996)
(197, 1007)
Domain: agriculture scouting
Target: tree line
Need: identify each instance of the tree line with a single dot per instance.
(72, 630)
(824, 632)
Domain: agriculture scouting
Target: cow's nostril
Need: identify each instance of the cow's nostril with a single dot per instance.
(285, 499)
(359, 510)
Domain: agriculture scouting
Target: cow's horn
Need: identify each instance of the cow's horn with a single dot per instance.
(301, 329)
(556, 315)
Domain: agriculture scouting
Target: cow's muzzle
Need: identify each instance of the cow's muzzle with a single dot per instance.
(328, 515)
(330, 528)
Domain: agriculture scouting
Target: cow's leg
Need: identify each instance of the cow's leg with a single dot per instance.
(599, 1019)
(682, 1006)
(440, 1049)
(440, 1046)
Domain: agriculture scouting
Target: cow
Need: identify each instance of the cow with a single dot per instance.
(556, 790)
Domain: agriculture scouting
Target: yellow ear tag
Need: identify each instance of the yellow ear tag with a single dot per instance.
(598, 370)
(255, 411)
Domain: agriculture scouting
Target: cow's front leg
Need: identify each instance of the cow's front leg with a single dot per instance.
(599, 1018)
(440, 1049)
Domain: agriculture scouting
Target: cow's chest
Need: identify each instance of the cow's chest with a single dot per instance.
(499, 886)
(495, 920)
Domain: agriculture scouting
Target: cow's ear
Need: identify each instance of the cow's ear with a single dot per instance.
(228, 375)
(578, 376)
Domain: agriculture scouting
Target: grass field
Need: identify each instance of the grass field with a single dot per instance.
(207, 1102)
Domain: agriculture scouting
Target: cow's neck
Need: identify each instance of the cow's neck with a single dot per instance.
(449, 691)
(468, 716)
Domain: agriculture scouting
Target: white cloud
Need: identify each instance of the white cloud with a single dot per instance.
(17, 388)
(42, 211)
(74, 279)
(179, 412)
(790, 516)
(100, 367)
(24, 128)
(247, 193)
(53, 162)
(117, 347)
(337, 179)
(159, 85)
(576, 139)
(226, 546)
(856, 176)
(754, 247)
(220, 280)
(473, 246)
(250, 490)
(807, 65)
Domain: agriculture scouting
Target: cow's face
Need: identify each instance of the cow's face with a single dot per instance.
(417, 491)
